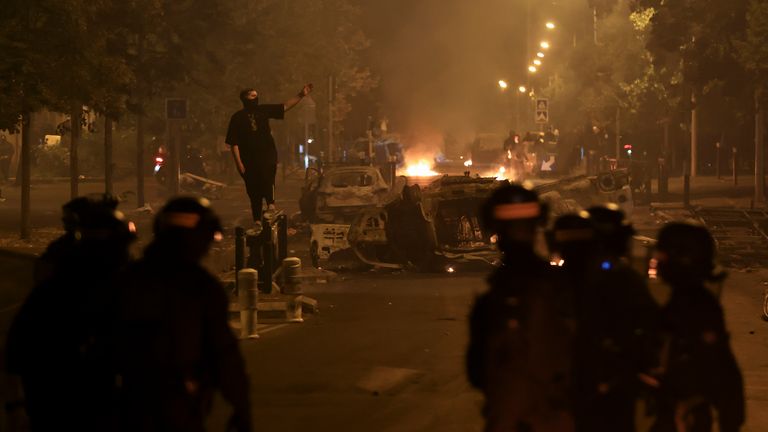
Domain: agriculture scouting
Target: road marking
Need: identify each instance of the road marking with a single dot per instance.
(381, 379)
(272, 328)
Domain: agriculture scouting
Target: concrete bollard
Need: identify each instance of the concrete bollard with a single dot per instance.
(247, 298)
(292, 275)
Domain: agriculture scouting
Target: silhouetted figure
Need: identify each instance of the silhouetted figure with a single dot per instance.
(701, 371)
(520, 341)
(71, 214)
(59, 342)
(174, 347)
(617, 342)
(253, 146)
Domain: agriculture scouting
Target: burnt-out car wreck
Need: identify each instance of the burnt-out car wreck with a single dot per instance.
(356, 220)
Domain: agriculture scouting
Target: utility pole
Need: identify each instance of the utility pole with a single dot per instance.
(594, 24)
(107, 154)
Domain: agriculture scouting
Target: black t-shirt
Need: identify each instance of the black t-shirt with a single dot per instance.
(249, 130)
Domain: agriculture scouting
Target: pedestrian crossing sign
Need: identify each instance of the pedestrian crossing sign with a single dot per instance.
(542, 111)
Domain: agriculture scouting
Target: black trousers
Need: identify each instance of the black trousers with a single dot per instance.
(260, 186)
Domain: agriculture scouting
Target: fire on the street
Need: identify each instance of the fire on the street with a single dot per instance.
(422, 168)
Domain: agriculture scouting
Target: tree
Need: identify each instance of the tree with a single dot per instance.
(753, 54)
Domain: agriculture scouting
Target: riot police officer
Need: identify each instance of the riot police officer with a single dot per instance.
(174, 347)
(59, 343)
(701, 371)
(71, 214)
(519, 350)
(617, 340)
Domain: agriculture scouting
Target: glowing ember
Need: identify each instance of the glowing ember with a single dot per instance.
(468, 163)
(422, 168)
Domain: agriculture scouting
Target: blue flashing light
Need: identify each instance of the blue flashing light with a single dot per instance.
(606, 265)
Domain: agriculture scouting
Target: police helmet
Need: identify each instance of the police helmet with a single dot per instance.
(686, 249)
(72, 212)
(512, 202)
(188, 215)
(573, 229)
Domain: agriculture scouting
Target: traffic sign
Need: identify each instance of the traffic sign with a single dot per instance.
(542, 111)
(176, 109)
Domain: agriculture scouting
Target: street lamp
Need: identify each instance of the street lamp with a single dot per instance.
(503, 84)
(550, 25)
(532, 69)
(544, 45)
(540, 54)
(537, 62)
(522, 89)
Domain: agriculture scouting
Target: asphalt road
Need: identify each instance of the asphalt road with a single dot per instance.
(385, 352)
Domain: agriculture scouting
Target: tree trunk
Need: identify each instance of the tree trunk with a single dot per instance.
(108, 187)
(759, 151)
(140, 160)
(24, 166)
(75, 116)
(694, 157)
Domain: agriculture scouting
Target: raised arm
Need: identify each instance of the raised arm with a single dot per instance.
(292, 102)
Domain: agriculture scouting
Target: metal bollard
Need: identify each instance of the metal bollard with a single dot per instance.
(292, 275)
(247, 299)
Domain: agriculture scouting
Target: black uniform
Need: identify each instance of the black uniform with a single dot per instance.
(519, 352)
(617, 341)
(59, 343)
(174, 345)
(701, 370)
(249, 130)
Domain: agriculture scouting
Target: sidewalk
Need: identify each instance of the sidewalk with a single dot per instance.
(709, 191)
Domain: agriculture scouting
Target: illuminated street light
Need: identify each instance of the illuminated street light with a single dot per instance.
(503, 84)
(550, 25)
(540, 54)
(537, 62)
(544, 44)
(522, 89)
(532, 69)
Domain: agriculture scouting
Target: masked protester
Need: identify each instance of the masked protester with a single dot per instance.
(174, 347)
(617, 342)
(253, 147)
(59, 343)
(701, 371)
(519, 348)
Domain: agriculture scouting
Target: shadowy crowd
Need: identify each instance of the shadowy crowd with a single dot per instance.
(581, 344)
(104, 343)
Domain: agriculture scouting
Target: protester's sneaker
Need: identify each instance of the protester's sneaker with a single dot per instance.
(269, 213)
(254, 230)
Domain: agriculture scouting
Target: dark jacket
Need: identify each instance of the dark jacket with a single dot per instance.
(701, 368)
(59, 344)
(519, 351)
(174, 347)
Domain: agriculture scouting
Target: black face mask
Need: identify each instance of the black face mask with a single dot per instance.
(251, 103)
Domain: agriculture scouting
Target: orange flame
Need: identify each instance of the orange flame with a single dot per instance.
(422, 168)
